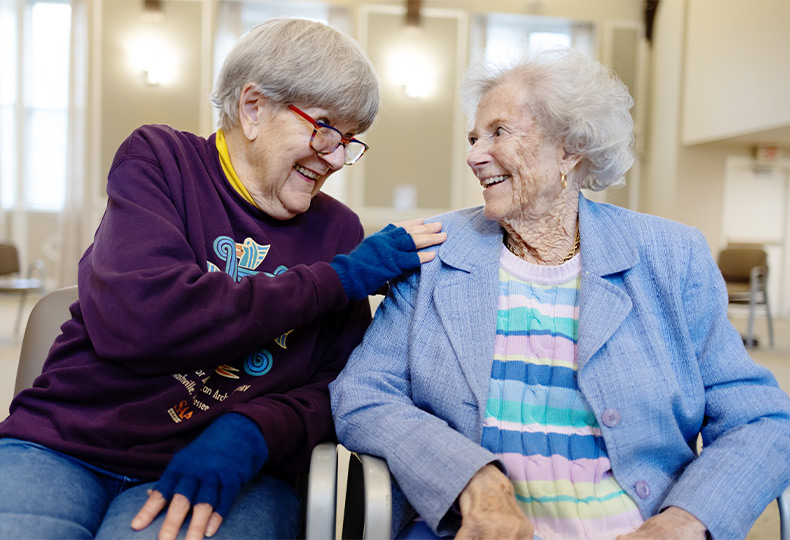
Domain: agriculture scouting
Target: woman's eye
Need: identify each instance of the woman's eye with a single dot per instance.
(472, 141)
(499, 131)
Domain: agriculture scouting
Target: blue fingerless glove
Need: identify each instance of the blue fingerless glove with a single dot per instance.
(379, 258)
(213, 468)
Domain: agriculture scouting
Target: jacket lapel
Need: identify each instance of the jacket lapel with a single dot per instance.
(607, 249)
(466, 299)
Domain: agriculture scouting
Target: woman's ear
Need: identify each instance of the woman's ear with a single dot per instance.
(569, 162)
(251, 106)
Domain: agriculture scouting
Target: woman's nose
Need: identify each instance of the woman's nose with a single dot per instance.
(478, 155)
(336, 158)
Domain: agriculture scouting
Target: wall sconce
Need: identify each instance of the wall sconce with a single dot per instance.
(411, 63)
(413, 12)
(409, 68)
(151, 55)
(148, 51)
(155, 74)
(406, 63)
(152, 11)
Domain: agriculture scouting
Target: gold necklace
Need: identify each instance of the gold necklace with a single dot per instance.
(567, 258)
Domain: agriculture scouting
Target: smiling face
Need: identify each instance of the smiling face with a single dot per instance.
(277, 166)
(518, 165)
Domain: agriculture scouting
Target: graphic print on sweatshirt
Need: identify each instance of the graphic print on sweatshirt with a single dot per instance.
(241, 260)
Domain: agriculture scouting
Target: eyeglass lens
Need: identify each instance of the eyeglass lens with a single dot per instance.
(326, 140)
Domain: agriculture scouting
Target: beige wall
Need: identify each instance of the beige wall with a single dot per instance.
(412, 139)
(736, 68)
(690, 96)
(660, 180)
(437, 171)
(126, 101)
(699, 194)
(679, 180)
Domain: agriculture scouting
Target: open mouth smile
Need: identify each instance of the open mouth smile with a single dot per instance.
(493, 180)
(312, 175)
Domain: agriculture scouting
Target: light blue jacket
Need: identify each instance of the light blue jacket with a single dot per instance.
(659, 363)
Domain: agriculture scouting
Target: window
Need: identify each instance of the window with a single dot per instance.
(506, 37)
(34, 98)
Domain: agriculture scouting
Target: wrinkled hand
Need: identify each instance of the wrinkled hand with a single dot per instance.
(489, 509)
(672, 524)
(204, 523)
(424, 235)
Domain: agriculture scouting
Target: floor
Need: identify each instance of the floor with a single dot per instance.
(777, 360)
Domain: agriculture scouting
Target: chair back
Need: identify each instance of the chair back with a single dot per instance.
(736, 263)
(42, 328)
(9, 259)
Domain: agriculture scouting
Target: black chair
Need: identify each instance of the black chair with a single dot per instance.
(12, 282)
(745, 272)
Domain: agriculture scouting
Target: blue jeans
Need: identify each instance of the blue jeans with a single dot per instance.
(46, 494)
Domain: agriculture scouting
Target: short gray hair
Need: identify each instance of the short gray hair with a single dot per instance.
(575, 100)
(299, 61)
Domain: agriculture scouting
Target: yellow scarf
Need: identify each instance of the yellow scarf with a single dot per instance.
(227, 168)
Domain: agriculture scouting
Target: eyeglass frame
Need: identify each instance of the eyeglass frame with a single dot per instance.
(343, 139)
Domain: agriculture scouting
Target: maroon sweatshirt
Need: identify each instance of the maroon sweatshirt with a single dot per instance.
(193, 303)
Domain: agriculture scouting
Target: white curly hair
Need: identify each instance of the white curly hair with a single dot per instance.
(574, 99)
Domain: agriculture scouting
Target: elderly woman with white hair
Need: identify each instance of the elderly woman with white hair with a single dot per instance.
(222, 293)
(550, 371)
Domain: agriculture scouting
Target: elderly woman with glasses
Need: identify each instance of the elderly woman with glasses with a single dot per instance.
(550, 372)
(222, 293)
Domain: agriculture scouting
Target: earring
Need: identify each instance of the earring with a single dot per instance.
(563, 181)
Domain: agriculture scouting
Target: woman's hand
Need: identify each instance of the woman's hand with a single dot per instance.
(424, 235)
(673, 524)
(204, 523)
(386, 255)
(206, 476)
(489, 509)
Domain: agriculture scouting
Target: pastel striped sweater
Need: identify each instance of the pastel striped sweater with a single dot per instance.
(537, 421)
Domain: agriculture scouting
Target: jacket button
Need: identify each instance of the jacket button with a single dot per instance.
(642, 489)
(611, 417)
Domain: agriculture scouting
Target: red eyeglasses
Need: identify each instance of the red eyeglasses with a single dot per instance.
(326, 139)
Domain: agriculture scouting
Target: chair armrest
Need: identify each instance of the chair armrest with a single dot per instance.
(378, 497)
(368, 510)
(784, 514)
(322, 493)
